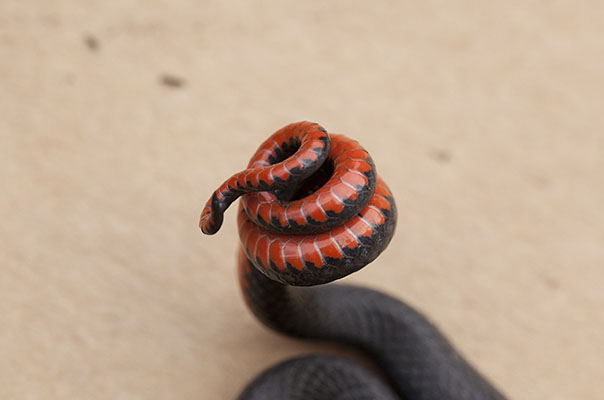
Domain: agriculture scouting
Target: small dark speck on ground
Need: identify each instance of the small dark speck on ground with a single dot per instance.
(442, 156)
(171, 81)
(541, 182)
(92, 43)
(551, 282)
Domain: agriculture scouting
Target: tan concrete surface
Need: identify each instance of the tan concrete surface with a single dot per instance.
(118, 119)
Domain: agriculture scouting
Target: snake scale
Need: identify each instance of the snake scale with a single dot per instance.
(314, 210)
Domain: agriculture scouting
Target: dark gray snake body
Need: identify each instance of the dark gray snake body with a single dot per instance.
(303, 224)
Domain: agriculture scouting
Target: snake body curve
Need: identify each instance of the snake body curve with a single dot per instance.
(313, 210)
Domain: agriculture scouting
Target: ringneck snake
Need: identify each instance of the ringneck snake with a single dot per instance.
(314, 210)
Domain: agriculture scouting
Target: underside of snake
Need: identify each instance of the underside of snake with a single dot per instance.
(313, 210)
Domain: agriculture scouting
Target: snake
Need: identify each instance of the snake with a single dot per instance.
(314, 210)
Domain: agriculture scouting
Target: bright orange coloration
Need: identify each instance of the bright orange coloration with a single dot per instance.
(313, 210)
(339, 208)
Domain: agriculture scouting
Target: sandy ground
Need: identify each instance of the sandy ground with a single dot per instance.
(118, 119)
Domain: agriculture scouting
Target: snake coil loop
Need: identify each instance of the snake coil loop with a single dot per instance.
(313, 209)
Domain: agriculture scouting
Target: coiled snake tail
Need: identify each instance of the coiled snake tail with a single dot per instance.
(313, 210)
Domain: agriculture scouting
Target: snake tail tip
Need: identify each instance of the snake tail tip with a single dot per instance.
(209, 225)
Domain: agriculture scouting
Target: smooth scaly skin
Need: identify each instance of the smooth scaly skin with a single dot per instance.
(299, 229)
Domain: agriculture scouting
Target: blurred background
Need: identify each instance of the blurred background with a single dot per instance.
(119, 119)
